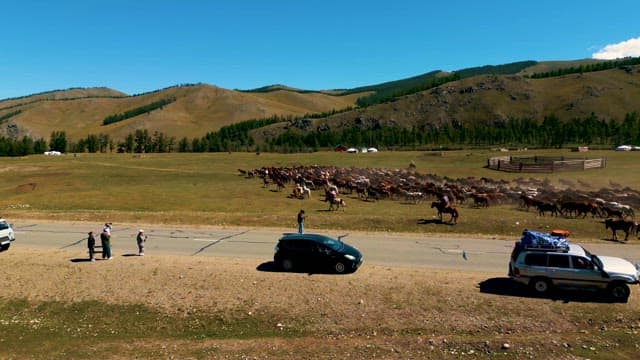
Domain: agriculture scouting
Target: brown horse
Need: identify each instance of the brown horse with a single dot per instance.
(448, 210)
(628, 226)
(528, 201)
(480, 200)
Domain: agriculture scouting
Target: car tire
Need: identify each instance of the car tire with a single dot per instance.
(540, 286)
(286, 264)
(340, 267)
(619, 291)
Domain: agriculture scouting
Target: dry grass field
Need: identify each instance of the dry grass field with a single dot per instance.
(175, 307)
(53, 306)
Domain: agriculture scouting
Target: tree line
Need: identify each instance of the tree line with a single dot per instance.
(551, 132)
(138, 111)
(584, 68)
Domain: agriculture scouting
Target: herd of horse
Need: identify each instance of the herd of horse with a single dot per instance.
(407, 185)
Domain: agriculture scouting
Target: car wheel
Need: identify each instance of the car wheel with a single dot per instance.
(619, 291)
(286, 264)
(541, 286)
(340, 267)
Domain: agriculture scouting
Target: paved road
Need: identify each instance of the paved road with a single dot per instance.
(378, 248)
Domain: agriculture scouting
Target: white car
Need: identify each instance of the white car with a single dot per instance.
(544, 269)
(6, 235)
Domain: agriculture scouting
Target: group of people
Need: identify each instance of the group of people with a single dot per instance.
(105, 242)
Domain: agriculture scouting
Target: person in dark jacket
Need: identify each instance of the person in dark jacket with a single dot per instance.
(301, 218)
(91, 244)
(140, 240)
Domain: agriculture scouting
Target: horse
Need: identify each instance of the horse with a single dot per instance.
(550, 207)
(336, 203)
(609, 212)
(446, 209)
(528, 201)
(480, 200)
(413, 196)
(628, 226)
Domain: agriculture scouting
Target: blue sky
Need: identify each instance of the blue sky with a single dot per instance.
(139, 46)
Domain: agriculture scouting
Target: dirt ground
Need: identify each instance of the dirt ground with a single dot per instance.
(377, 312)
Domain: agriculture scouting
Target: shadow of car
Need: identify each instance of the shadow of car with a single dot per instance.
(505, 286)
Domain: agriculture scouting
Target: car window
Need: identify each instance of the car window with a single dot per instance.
(295, 244)
(581, 263)
(560, 261)
(333, 244)
(536, 259)
(4, 225)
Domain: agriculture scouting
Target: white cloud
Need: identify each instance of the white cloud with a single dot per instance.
(623, 49)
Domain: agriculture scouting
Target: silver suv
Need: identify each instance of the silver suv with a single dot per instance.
(575, 268)
(6, 235)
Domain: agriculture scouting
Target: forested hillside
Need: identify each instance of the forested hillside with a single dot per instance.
(526, 103)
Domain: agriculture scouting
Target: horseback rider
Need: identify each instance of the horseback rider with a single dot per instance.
(444, 200)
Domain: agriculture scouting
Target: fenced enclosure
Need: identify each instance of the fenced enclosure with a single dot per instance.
(543, 164)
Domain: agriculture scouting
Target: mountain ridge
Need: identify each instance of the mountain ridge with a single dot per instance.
(486, 93)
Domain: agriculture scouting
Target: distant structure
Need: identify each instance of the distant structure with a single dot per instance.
(543, 164)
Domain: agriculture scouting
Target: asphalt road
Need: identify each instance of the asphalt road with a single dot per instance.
(410, 250)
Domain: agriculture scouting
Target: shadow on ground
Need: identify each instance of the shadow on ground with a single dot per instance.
(507, 287)
(271, 266)
(434, 221)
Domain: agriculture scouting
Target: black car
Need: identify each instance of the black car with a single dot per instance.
(315, 251)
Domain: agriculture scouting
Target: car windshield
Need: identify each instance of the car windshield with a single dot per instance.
(596, 260)
(332, 243)
(4, 225)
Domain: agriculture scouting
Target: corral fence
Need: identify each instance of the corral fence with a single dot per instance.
(543, 164)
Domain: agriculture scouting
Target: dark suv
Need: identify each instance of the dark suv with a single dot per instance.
(314, 251)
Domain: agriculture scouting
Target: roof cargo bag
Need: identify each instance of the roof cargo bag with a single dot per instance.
(536, 239)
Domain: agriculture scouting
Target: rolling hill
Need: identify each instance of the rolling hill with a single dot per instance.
(484, 94)
(196, 110)
(488, 99)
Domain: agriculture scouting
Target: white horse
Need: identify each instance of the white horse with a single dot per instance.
(302, 191)
(336, 203)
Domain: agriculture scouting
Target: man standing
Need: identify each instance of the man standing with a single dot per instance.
(301, 217)
(91, 243)
(141, 239)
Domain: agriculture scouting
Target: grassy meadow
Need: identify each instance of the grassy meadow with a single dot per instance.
(207, 189)
(186, 307)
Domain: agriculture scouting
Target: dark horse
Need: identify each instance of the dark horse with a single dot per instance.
(628, 226)
(448, 210)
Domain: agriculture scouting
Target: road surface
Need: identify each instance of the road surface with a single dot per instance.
(408, 250)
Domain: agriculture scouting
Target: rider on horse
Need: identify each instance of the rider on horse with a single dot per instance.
(444, 200)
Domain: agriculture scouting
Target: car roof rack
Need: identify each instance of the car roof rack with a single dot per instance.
(546, 249)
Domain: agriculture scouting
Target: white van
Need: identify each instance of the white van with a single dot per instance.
(6, 235)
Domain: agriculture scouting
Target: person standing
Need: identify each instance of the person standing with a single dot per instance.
(105, 238)
(91, 244)
(301, 218)
(141, 239)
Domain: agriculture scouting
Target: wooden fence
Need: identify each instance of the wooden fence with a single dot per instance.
(533, 164)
